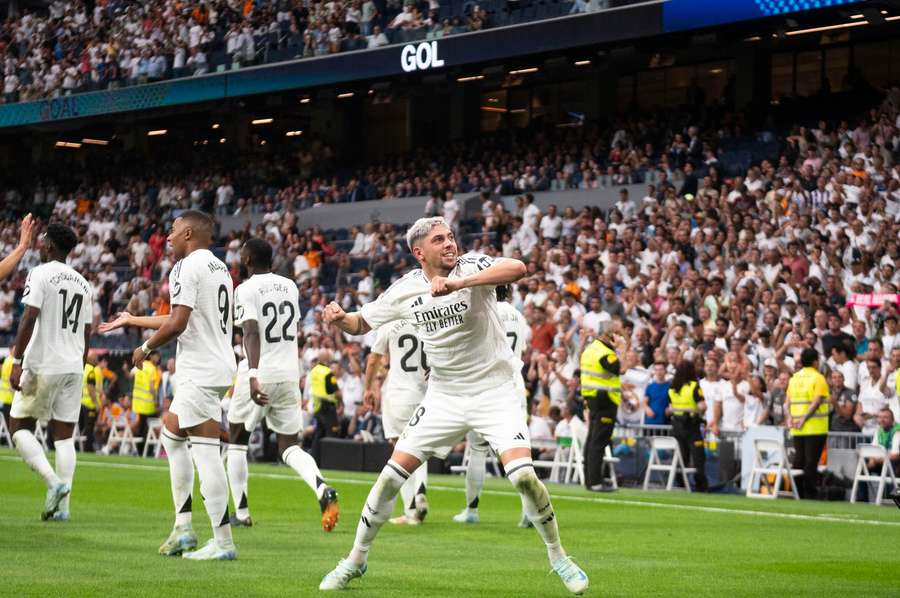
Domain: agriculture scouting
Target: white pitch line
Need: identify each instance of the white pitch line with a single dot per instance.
(852, 519)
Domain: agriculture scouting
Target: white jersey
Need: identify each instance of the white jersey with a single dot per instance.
(408, 362)
(64, 299)
(204, 356)
(516, 327)
(465, 342)
(274, 303)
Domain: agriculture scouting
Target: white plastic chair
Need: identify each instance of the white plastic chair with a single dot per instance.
(154, 428)
(769, 458)
(40, 432)
(4, 432)
(574, 466)
(79, 438)
(874, 451)
(120, 434)
(672, 467)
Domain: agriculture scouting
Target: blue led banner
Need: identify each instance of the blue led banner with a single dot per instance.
(693, 14)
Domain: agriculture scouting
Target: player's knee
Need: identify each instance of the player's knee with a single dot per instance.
(523, 477)
(392, 477)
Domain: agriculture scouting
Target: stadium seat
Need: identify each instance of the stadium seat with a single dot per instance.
(4, 433)
(154, 428)
(874, 451)
(769, 459)
(79, 438)
(672, 467)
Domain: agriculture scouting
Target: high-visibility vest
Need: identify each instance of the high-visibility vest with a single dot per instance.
(803, 387)
(319, 375)
(594, 378)
(896, 382)
(6, 391)
(143, 401)
(95, 373)
(683, 402)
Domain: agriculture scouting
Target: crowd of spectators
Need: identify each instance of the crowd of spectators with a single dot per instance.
(738, 273)
(77, 46)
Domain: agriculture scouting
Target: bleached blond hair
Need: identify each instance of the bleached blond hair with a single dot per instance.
(420, 229)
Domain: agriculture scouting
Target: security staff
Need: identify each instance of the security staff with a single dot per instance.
(324, 390)
(6, 391)
(91, 399)
(807, 407)
(143, 393)
(601, 390)
(686, 407)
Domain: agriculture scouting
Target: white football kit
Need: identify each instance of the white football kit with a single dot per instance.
(406, 384)
(274, 303)
(53, 362)
(204, 358)
(472, 368)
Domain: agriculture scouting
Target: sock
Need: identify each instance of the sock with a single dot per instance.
(213, 484)
(536, 503)
(181, 473)
(237, 478)
(65, 466)
(421, 476)
(378, 507)
(408, 495)
(475, 477)
(32, 453)
(305, 466)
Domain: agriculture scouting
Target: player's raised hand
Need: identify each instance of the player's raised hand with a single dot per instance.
(333, 313)
(123, 318)
(26, 231)
(441, 286)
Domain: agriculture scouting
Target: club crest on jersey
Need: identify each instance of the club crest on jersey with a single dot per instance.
(441, 316)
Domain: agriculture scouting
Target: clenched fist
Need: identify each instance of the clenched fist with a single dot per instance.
(441, 286)
(333, 313)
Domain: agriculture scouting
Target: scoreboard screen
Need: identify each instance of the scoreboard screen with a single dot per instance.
(694, 14)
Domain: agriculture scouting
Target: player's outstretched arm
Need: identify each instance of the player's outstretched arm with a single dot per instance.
(123, 318)
(351, 323)
(9, 263)
(502, 271)
(172, 326)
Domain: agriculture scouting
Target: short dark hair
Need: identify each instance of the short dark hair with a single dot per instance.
(503, 292)
(260, 252)
(62, 237)
(201, 221)
(808, 357)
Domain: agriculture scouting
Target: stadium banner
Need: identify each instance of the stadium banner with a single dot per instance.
(421, 56)
(871, 299)
(695, 14)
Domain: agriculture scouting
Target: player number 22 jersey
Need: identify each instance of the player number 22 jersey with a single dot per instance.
(274, 303)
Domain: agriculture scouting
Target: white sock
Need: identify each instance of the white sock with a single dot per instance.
(65, 466)
(475, 477)
(32, 453)
(237, 478)
(421, 475)
(181, 473)
(408, 495)
(213, 484)
(536, 503)
(305, 466)
(379, 506)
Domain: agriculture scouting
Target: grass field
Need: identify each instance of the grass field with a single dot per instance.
(631, 543)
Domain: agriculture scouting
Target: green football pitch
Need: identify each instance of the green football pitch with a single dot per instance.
(630, 543)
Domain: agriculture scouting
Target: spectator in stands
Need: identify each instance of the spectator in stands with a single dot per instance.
(843, 405)
(888, 437)
(656, 396)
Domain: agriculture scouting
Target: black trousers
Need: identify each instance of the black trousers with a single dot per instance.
(327, 424)
(143, 428)
(686, 430)
(87, 419)
(807, 452)
(600, 429)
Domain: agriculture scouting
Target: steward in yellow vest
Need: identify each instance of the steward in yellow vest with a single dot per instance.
(807, 408)
(143, 394)
(687, 406)
(91, 398)
(324, 390)
(601, 390)
(6, 391)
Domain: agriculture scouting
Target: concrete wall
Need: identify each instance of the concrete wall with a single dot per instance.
(407, 210)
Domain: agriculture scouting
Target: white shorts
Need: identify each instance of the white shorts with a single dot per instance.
(442, 420)
(282, 414)
(51, 397)
(196, 404)
(396, 409)
(476, 440)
